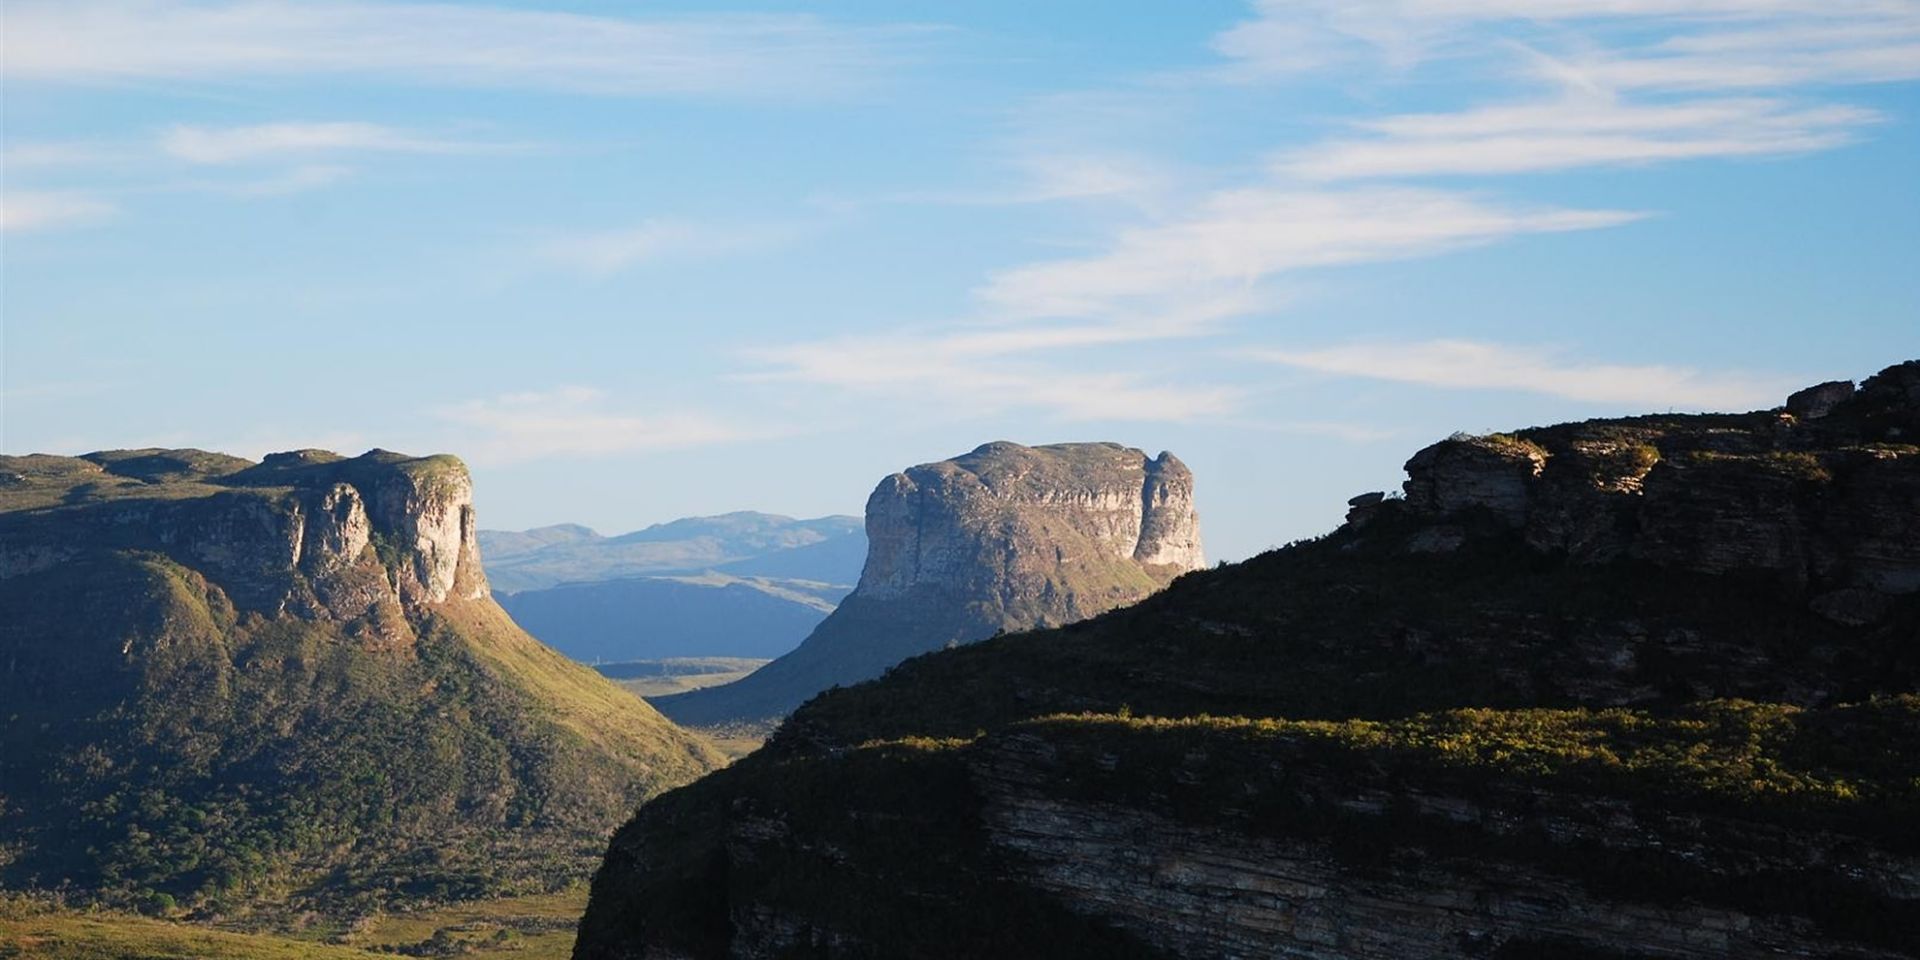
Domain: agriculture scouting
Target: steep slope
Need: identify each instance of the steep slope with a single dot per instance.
(1616, 690)
(226, 683)
(1006, 537)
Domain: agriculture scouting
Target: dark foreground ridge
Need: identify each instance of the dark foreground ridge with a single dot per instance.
(1004, 538)
(1623, 689)
(230, 685)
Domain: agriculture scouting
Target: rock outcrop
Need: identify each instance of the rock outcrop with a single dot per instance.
(223, 678)
(1642, 689)
(1004, 538)
(1822, 496)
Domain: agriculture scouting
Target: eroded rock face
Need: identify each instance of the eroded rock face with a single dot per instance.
(306, 531)
(1004, 538)
(1007, 516)
(1821, 496)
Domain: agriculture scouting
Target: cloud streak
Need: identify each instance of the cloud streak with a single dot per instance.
(228, 145)
(1475, 365)
(24, 210)
(1577, 131)
(607, 252)
(1238, 239)
(574, 421)
(435, 44)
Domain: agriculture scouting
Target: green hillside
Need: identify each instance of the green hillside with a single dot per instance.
(284, 688)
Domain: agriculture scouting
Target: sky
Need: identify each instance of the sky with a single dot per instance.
(638, 261)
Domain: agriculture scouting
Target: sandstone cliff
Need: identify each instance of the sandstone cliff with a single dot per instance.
(1004, 538)
(224, 678)
(1618, 690)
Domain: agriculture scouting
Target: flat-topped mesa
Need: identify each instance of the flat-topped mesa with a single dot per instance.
(307, 531)
(1006, 511)
(214, 634)
(1005, 538)
(1817, 494)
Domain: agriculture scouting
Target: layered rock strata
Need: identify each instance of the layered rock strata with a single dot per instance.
(1004, 538)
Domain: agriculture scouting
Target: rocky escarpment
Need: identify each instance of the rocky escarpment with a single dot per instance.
(1822, 496)
(1006, 537)
(1627, 689)
(225, 678)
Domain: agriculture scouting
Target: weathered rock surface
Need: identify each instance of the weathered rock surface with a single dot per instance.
(223, 679)
(1004, 538)
(1825, 495)
(1655, 681)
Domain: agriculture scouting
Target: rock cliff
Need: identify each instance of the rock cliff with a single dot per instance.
(1617, 690)
(1825, 500)
(1004, 538)
(225, 678)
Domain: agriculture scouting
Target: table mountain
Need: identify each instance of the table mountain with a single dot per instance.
(1617, 690)
(228, 683)
(1006, 537)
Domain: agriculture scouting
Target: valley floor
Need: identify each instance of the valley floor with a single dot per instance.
(539, 927)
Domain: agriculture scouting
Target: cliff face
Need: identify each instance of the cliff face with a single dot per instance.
(1006, 537)
(225, 677)
(1625, 689)
(1825, 499)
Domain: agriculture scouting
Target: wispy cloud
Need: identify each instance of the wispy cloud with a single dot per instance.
(441, 44)
(297, 180)
(1621, 81)
(973, 373)
(223, 145)
(22, 210)
(1238, 239)
(604, 252)
(23, 156)
(1575, 131)
(1666, 44)
(1474, 365)
(576, 421)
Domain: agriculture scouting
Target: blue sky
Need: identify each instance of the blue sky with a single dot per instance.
(640, 261)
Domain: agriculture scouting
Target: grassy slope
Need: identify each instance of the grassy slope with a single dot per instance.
(50, 934)
(173, 752)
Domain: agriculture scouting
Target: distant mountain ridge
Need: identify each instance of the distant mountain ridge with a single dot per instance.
(225, 680)
(570, 553)
(742, 584)
(1005, 537)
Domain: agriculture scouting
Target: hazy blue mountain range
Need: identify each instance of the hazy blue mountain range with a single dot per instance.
(741, 584)
(570, 553)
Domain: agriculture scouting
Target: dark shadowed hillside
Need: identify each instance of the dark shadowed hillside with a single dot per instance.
(1623, 689)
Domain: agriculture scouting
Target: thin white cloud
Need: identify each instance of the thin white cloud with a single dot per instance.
(66, 154)
(1474, 365)
(575, 422)
(1696, 44)
(224, 145)
(605, 252)
(443, 44)
(23, 210)
(1575, 131)
(300, 179)
(1240, 238)
(973, 373)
